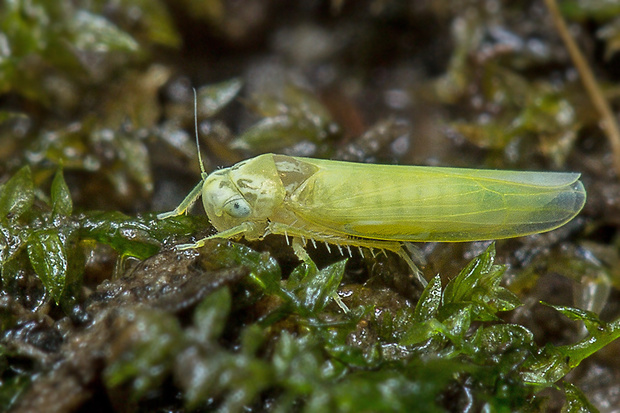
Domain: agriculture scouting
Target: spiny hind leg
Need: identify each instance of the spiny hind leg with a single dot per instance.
(403, 250)
(397, 247)
(300, 250)
(419, 276)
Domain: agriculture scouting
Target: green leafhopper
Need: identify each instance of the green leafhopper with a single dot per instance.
(370, 205)
(380, 206)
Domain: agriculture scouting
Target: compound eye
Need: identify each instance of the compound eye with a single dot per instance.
(237, 208)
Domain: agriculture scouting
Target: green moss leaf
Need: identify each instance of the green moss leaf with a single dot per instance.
(546, 367)
(127, 235)
(426, 325)
(412, 387)
(461, 288)
(13, 262)
(315, 287)
(44, 36)
(478, 284)
(429, 301)
(11, 390)
(493, 135)
(212, 98)
(48, 256)
(152, 340)
(297, 362)
(457, 324)
(156, 22)
(498, 338)
(599, 338)
(293, 117)
(211, 315)
(17, 195)
(420, 332)
(474, 295)
(62, 205)
(576, 401)
(591, 9)
(264, 269)
(252, 338)
(97, 34)
(234, 378)
(57, 259)
(136, 161)
(272, 134)
(592, 322)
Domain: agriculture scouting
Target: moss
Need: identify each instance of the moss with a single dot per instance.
(96, 123)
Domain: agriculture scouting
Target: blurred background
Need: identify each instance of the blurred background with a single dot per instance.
(103, 89)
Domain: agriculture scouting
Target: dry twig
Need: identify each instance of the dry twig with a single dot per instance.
(608, 121)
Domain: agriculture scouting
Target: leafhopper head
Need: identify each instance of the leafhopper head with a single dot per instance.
(249, 191)
(239, 200)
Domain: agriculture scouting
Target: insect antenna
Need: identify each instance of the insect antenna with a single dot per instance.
(193, 196)
(203, 173)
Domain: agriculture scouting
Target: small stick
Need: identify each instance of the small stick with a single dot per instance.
(608, 121)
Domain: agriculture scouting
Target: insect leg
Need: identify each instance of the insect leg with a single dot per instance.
(414, 252)
(402, 252)
(301, 253)
(185, 204)
(229, 233)
(393, 246)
